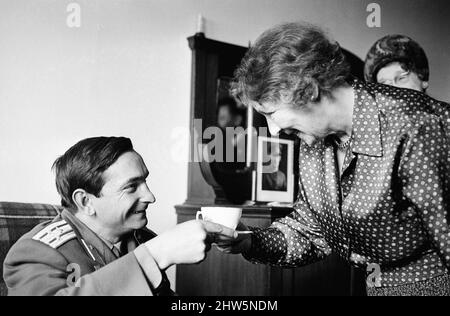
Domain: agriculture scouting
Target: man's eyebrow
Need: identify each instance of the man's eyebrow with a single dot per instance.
(135, 179)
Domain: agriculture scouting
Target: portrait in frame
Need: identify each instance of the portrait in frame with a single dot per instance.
(275, 170)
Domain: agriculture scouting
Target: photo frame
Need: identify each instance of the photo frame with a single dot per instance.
(275, 170)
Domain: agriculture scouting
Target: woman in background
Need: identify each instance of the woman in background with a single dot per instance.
(399, 61)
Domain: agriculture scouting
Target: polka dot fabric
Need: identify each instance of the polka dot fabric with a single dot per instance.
(390, 206)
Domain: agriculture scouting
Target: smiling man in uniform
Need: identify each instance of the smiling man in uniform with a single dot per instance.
(99, 244)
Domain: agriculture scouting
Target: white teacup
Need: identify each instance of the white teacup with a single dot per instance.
(226, 216)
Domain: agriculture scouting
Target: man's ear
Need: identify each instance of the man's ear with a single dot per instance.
(83, 202)
(424, 85)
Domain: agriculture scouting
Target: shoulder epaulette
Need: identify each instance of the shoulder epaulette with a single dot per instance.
(56, 234)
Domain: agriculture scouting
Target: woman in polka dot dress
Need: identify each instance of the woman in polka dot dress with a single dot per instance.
(374, 165)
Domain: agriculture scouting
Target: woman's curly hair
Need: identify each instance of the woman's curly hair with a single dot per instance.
(288, 63)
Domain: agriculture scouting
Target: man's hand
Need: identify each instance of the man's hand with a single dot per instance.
(187, 243)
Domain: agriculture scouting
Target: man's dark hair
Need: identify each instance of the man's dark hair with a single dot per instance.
(82, 166)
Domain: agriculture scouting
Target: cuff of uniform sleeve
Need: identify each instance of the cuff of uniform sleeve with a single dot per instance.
(148, 266)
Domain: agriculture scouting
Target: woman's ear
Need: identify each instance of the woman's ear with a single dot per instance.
(83, 202)
(315, 91)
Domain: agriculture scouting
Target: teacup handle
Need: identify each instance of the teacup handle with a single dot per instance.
(197, 216)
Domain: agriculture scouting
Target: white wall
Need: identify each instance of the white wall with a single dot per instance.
(126, 71)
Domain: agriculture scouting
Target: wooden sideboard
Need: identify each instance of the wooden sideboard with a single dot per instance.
(231, 275)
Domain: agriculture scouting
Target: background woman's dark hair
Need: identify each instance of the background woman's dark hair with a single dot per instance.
(396, 48)
(289, 62)
(82, 166)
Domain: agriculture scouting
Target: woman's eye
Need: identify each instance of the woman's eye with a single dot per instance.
(267, 113)
(403, 77)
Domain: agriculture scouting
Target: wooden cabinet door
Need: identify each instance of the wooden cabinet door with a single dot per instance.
(231, 275)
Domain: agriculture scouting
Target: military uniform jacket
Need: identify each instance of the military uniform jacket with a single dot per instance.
(64, 257)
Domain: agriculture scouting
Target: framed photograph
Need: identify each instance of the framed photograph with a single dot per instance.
(275, 170)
